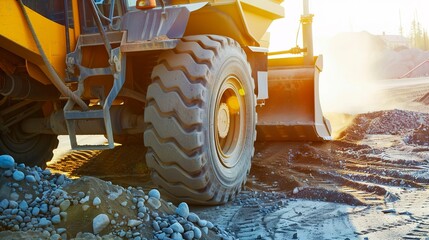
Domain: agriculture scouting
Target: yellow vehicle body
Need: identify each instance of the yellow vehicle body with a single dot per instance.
(186, 78)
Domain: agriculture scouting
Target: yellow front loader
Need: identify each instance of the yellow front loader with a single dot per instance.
(191, 80)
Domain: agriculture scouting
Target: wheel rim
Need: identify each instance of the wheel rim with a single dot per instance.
(230, 112)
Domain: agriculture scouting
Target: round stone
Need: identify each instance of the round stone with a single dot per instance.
(64, 205)
(182, 210)
(35, 211)
(197, 233)
(154, 193)
(56, 219)
(6, 161)
(30, 178)
(100, 222)
(177, 227)
(18, 176)
(96, 201)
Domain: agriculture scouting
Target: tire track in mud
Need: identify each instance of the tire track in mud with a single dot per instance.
(335, 171)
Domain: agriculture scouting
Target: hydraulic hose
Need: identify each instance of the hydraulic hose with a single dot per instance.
(55, 79)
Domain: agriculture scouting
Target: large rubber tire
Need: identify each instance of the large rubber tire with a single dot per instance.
(34, 150)
(201, 120)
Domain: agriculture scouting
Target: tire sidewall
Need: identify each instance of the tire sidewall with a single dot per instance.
(231, 61)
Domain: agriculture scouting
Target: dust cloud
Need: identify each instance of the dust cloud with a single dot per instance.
(349, 79)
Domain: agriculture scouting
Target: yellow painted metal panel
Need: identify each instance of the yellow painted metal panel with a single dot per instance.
(244, 20)
(16, 37)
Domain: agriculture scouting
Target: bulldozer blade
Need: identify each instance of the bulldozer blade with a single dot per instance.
(292, 111)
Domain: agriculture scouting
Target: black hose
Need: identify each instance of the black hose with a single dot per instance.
(55, 79)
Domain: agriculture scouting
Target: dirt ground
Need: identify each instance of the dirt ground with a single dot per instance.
(369, 183)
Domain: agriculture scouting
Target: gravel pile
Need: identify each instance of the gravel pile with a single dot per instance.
(394, 122)
(51, 206)
(419, 136)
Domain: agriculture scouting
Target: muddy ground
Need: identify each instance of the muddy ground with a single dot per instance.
(369, 183)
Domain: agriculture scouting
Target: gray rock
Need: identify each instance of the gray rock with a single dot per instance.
(155, 226)
(55, 211)
(56, 219)
(28, 196)
(14, 196)
(205, 230)
(55, 236)
(154, 193)
(4, 203)
(177, 227)
(189, 235)
(124, 203)
(8, 173)
(18, 176)
(44, 208)
(176, 236)
(13, 204)
(154, 202)
(43, 222)
(6, 161)
(23, 205)
(35, 211)
(168, 230)
(182, 210)
(30, 178)
(60, 180)
(197, 233)
(202, 223)
(100, 222)
(192, 217)
(64, 205)
(142, 209)
(210, 225)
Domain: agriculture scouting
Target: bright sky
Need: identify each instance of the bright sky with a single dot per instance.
(334, 16)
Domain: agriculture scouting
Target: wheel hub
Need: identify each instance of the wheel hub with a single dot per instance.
(223, 120)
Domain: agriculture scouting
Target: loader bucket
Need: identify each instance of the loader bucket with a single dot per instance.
(292, 111)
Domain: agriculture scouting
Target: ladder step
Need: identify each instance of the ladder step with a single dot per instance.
(69, 115)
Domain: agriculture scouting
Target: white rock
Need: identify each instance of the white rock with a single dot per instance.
(183, 210)
(295, 190)
(154, 202)
(85, 207)
(99, 223)
(114, 195)
(6, 162)
(134, 223)
(124, 203)
(84, 200)
(96, 201)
